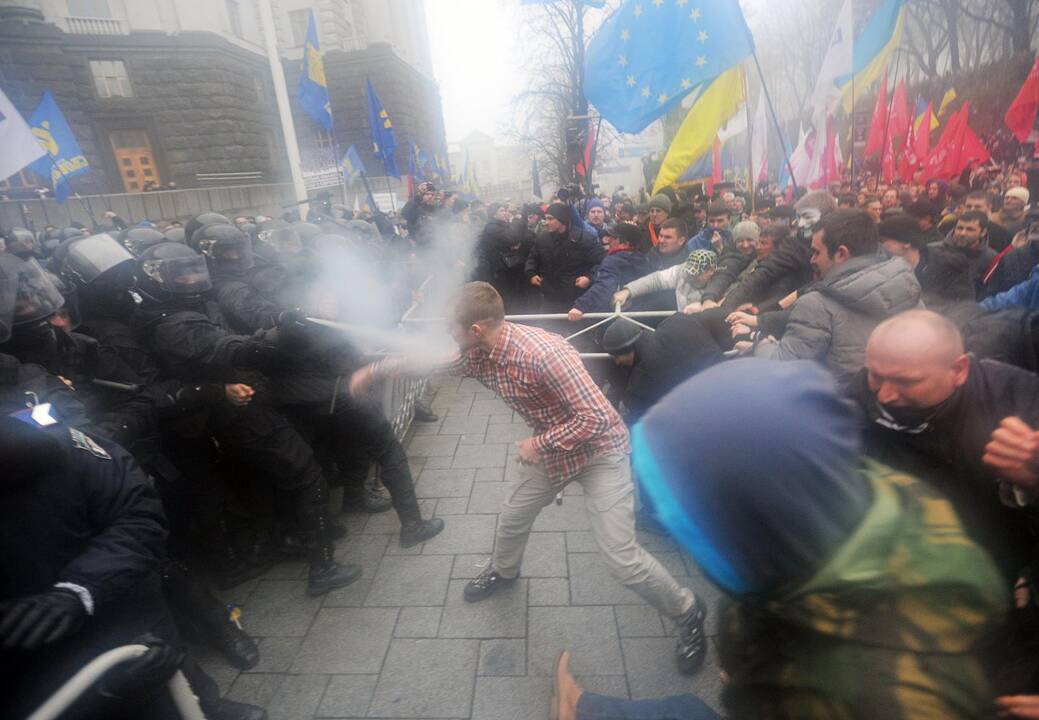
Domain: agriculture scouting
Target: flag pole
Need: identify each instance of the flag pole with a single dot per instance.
(775, 120)
(887, 117)
(393, 204)
(750, 140)
(88, 208)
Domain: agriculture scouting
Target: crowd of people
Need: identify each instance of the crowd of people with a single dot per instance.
(835, 411)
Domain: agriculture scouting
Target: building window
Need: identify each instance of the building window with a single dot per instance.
(298, 21)
(234, 14)
(110, 78)
(89, 8)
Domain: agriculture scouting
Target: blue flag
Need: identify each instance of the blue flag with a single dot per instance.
(652, 53)
(535, 180)
(415, 168)
(352, 164)
(64, 158)
(313, 89)
(384, 143)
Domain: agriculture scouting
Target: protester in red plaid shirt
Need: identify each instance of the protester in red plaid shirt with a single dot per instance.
(578, 437)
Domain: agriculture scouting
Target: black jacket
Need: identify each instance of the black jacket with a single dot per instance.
(786, 268)
(730, 265)
(681, 347)
(560, 260)
(1013, 268)
(952, 273)
(659, 261)
(947, 452)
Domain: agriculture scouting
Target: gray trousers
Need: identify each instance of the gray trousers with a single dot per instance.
(609, 498)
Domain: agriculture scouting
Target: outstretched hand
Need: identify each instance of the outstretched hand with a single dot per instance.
(361, 380)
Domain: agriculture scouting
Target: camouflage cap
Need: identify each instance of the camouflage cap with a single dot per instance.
(700, 261)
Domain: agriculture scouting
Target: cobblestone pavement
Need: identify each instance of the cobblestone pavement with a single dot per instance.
(401, 642)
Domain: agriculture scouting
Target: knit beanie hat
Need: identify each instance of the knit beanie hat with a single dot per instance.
(700, 261)
(754, 467)
(661, 201)
(1021, 193)
(594, 203)
(560, 212)
(620, 337)
(746, 229)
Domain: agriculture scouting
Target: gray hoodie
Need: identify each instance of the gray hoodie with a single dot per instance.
(832, 322)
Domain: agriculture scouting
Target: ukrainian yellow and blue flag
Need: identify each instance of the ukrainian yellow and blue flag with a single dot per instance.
(384, 142)
(313, 88)
(652, 53)
(64, 157)
(352, 164)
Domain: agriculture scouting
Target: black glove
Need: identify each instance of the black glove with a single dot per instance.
(36, 620)
(292, 327)
(142, 677)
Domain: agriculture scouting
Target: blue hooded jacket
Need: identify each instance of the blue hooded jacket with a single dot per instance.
(616, 270)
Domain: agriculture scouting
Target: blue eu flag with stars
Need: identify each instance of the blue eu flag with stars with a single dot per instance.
(652, 53)
(383, 140)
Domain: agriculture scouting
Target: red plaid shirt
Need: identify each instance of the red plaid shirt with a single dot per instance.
(540, 375)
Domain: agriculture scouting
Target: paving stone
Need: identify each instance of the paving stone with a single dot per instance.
(545, 555)
(511, 698)
(452, 506)
(346, 640)
(502, 615)
(477, 456)
(444, 483)
(581, 542)
(464, 425)
(239, 594)
(444, 382)
(426, 679)
(503, 419)
(590, 633)
(656, 543)
(297, 697)
(489, 474)
(571, 515)
(418, 622)
(432, 445)
(276, 654)
(281, 607)
(548, 591)
(652, 671)
(472, 385)
(255, 688)
(503, 657)
(388, 522)
(471, 534)
(508, 433)
(610, 685)
(445, 401)
(638, 621)
(471, 439)
(489, 406)
(347, 696)
(431, 428)
(592, 584)
(410, 580)
(438, 463)
(487, 497)
(469, 566)
(288, 570)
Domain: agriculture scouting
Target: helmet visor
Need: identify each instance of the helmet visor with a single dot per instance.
(180, 276)
(92, 257)
(36, 296)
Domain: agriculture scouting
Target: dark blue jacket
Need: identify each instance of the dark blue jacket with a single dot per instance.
(616, 271)
(1023, 295)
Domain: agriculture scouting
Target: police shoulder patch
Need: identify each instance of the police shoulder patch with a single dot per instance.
(83, 442)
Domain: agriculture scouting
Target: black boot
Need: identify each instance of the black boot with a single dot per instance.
(326, 574)
(365, 500)
(419, 531)
(424, 414)
(223, 709)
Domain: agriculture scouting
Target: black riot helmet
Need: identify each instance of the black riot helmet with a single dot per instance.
(67, 316)
(175, 234)
(286, 241)
(170, 271)
(224, 246)
(8, 291)
(98, 259)
(139, 239)
(207, 218)
(51, 240)
(21, 242)
(36, 297)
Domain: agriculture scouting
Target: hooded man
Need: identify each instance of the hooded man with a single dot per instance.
(715, 235)
(595, 214)
(563, 260)
(853, 591)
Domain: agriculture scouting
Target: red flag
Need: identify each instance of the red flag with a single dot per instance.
(933, 168)
(589, 147)
(917, 145)
(1020, 116)
(875, 142)
(716, 165)
(901, 117)
(887, 163)
(972, 151)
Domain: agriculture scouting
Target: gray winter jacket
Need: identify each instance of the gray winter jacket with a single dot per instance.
(673, 278)
(833, 321)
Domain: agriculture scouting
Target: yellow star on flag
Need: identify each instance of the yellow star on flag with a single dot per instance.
(662, 98)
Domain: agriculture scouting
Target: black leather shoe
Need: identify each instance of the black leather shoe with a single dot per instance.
(239, 649)
(425, 414)
(484, 585)
(221, 709)
(366, 501)
(692, 640)
(325, 576)
(420, 531)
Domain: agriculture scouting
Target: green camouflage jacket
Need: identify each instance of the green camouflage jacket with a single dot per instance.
(887, 629)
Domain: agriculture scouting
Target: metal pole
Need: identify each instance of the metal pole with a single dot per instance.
(393, 204)
(775, 121)
(887, 119)
(281, 94)
(750, 143)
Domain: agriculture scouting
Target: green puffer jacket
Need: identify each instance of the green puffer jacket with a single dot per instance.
(887, 629)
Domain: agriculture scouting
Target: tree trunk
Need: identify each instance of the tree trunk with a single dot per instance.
(952, 24)
(1022, 29)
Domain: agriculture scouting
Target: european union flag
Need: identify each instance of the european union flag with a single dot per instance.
(65, 159)
(383, 141)
(415, 162)
(313, 89)
(652, 53)
(352, 164)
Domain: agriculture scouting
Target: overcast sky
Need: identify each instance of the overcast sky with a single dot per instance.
(477, 60)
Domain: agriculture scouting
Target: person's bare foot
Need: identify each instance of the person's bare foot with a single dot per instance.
(565, 690)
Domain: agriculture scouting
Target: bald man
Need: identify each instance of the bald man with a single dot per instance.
(932, 408)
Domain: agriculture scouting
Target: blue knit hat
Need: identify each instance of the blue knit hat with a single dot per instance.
(753, 466)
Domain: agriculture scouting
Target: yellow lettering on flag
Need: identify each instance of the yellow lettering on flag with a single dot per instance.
(43, 135)
(712, 109)
(315, 67)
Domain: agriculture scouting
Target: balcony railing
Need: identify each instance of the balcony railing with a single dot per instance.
(94, 26)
